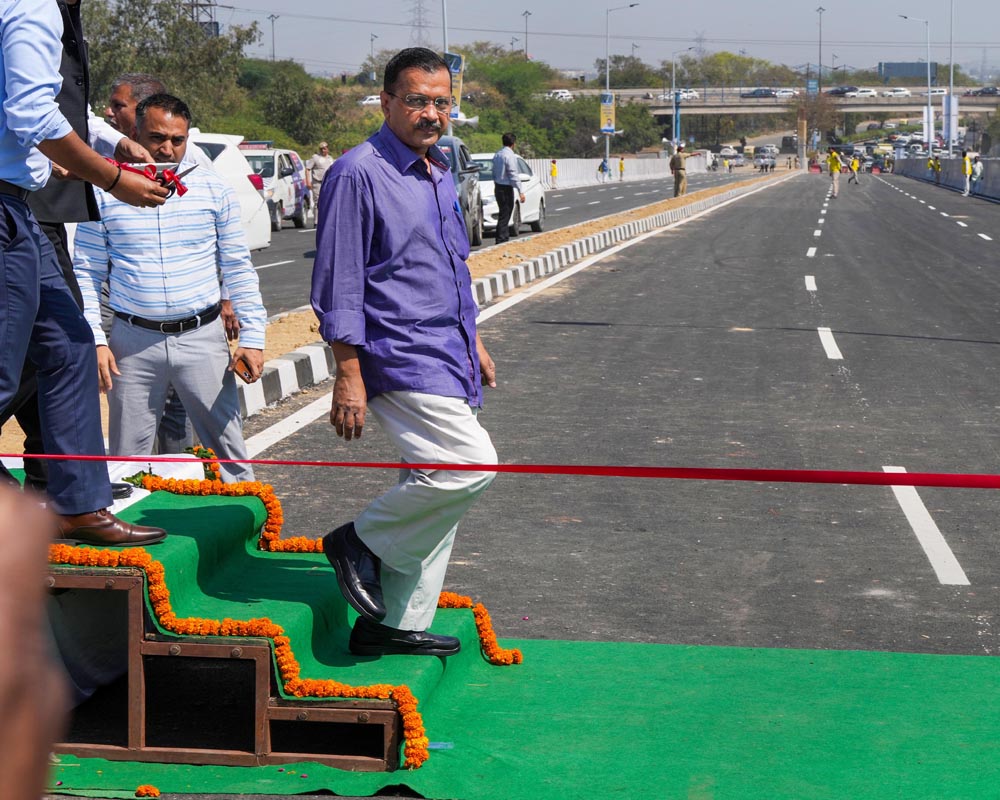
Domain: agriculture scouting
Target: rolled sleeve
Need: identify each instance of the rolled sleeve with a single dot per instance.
(343, 243)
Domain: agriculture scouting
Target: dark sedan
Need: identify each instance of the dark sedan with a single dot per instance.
(840, 91)
(759, 93)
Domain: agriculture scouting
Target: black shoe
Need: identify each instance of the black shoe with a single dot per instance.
(119, 491)
(357, 570)
(372, 639)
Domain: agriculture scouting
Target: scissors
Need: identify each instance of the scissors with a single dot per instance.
(172, 181)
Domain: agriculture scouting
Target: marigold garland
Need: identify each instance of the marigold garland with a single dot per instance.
(415, 741)
(146, 790)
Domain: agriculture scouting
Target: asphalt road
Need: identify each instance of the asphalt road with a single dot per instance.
(285, 267)
(701, 347)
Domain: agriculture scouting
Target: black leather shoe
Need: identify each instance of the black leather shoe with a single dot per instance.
(372, 639)
(103, 528)
(357, 570)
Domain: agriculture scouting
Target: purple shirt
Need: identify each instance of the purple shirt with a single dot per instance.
(390, 274)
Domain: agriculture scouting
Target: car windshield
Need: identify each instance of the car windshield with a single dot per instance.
(485, 168)
(261, 165)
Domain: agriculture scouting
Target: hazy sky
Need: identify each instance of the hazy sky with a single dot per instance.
(331, 36)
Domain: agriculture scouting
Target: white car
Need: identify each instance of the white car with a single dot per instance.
(685, 94)
(232, 165)
(563, 95)
(862, 93)
(896, 91)
(284, 178)
(786, 93)
(371, 100)
(532, 211)
(935, 91)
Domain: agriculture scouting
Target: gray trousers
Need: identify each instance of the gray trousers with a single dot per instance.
(194, 363)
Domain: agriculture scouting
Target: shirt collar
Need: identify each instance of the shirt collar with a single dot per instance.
(402, 157)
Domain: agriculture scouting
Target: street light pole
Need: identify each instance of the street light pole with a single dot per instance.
(526, 14)
(607, 71)
(929, 127)
(949, 125)
(673, 93)
(272, 17)
(819, 64)
(371, 42)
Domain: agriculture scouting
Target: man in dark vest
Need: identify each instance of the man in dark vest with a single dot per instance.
(61, 201)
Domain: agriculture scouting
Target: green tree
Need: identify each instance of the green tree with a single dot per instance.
(161, 38)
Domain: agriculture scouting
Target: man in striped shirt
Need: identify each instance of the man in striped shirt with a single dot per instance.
(164, 291)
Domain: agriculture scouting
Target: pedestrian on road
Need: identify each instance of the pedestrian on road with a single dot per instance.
(553, 175)
(679, 170)
(977, 174)
(937, 170)
(966, 173)
(394, 299)
(602, 170)
(506, 177)
(835, 165)
(316, 168)
(42, 322)
(621, 168)
(853, 177)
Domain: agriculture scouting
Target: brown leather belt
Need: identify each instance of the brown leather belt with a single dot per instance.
(12, 190)
(210, 314)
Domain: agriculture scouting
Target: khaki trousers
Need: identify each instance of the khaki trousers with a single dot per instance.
(680, 182)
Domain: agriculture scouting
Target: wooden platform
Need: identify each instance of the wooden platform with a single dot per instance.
(205, 700)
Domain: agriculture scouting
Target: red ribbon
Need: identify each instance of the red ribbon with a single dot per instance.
(168, 178)
(851, 477)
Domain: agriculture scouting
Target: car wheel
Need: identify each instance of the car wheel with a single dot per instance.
(539, 224)
(277, 214)
(299, 220)
(515, 220)
(477, 229)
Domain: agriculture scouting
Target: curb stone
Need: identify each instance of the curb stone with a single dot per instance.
(288, 374)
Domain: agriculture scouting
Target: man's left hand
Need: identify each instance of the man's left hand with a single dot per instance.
(129, 152)
(487, 368)
(254, 360)
(230, 321)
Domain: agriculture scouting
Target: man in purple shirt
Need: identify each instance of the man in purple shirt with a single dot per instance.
(393, 295)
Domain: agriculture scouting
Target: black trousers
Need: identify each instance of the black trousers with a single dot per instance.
(505, 202)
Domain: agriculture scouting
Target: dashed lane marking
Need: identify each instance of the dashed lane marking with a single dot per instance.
(984, 236)
(810, 283)
(810, 252)
(829, 344)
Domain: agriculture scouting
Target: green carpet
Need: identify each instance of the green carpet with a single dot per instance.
(596, 720)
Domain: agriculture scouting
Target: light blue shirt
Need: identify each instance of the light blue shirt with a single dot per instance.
(165, 261)
(505, 171)
(30, 55)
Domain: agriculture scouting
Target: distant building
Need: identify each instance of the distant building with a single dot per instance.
(915, 71)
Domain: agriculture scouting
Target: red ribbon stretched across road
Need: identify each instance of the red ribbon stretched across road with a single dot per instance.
(855, 477)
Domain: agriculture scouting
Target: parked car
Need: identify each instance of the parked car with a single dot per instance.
(861, 93)
(935, 91)
(983, 91)
(531, 211)
(284, 178)
(786, 93)
(228, 160)
(466, 174)
(896, 91)
(759, 93)
(841, 91)
(727, 151)
(371, 100)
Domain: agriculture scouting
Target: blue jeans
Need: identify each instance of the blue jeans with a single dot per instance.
(40, 322)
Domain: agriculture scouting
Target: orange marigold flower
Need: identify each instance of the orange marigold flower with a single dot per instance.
(146, 790)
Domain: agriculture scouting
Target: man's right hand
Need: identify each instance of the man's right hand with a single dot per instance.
(138, 190)
(106, 367)
(350, 402)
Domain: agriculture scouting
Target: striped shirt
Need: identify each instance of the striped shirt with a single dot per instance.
(165, 261)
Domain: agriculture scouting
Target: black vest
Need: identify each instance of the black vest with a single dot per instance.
(69, 201)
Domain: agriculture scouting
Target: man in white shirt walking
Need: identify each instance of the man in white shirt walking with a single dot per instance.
(166, 297)
(506, 176)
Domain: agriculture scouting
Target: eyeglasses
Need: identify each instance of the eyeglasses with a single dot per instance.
(418, 102)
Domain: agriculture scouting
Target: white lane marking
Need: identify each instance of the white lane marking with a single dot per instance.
(829, 344)
(959, 222)
(946, 566)
(275, 264)
(820, 221)
(594, 203)
(924, 202)
(564, 208)
(810, 252)
(984, 236)
(620, 197)
(943, 214)
(817, 232)
(932, 208)
(810, 283)
(289, 425)
(307, 230)
(555, 195)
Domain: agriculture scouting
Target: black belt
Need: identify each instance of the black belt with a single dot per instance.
(210, 314)
(14, 191)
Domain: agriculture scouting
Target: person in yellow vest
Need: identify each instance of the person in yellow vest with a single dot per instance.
(930, 167)
(937, 170)
(854, 166)
(679, 171)
(553, 175)
(966, 172)
(621, 168)
(834, 164)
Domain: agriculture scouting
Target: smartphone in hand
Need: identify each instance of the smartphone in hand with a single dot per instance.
(241, 368)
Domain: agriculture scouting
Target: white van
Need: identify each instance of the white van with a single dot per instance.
(230, 163)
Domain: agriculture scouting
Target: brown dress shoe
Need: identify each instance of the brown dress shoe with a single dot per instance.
(101, 527)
